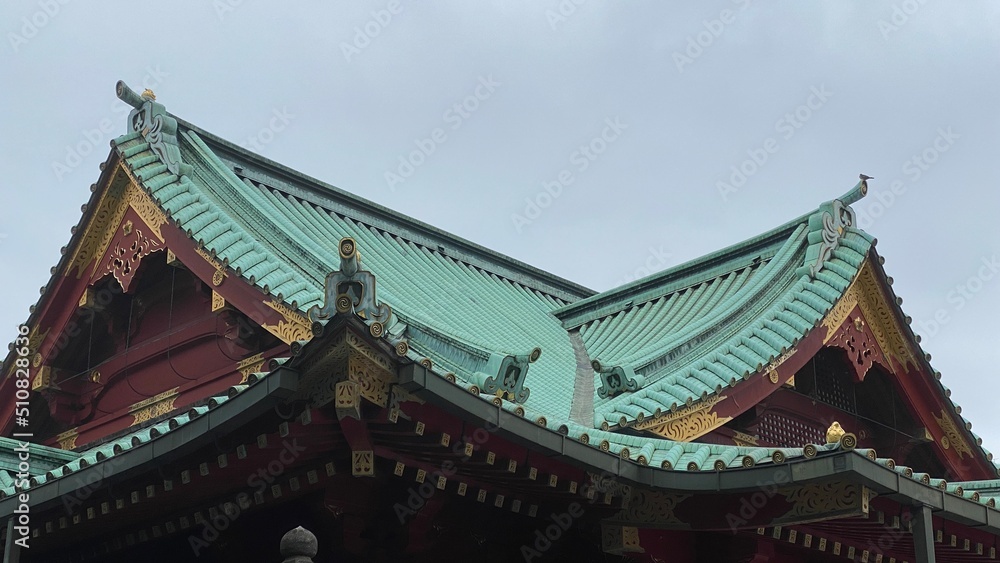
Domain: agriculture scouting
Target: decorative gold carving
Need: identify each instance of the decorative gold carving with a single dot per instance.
(743, 439)
(249, 365)
(866, 293)
(294, 327)
(630, 539)
(361, 346)
(95, 376)
(91, 300)
(688, 423)
(35, 340)
(102, 226)
(347, 357)
(208, 258)
(42, 379)
(854, 338)
(122, 192)
(348, 399)
(651, 508)
(154, 406)
(218, 277)
(128, 254)
(825, 500)
(952, 438)
(348, 395)
(771, 369)
(145, 207)
(67, 440)
(363, 463)
(172, 259)
(834, 433)
(218, 301)
(618, 540)
(322, 370)
(373, 380)
(839, 312)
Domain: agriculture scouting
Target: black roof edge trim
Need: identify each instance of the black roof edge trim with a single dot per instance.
(846, 464)
(280, 385)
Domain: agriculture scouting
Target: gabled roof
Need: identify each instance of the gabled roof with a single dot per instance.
(690, 331)
(695, 330)
(682, 336)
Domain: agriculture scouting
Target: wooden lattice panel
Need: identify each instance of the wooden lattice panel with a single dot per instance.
(835, 387)
(785, 431)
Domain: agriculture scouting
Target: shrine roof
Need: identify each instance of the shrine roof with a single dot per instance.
(692, 331)
(142, 448)
(52, 467)
(43, 458)
(683, 335)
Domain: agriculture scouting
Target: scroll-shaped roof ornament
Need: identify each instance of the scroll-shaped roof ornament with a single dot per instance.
(156, 126)
(616, 380)
(837, 216)
(351, 290)
(510, 371)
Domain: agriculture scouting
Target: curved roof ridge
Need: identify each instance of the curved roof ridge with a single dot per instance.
(688, 274)
(766, 279)
(251, 207)
(701, 269)
(709, 372)
(302, 186)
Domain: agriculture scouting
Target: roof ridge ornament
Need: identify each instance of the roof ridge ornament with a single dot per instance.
(616, 380)
(836, 217)
(351, 290)
(156, 126)
(508, 383)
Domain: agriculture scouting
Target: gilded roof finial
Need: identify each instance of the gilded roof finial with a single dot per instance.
(148, 94)
(834, 433)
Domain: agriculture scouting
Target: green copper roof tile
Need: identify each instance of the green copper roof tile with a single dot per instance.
(687, 332)
(52, 464)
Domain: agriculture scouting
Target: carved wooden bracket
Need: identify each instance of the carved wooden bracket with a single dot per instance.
(131, 244)
(347, 357)
(856, 339)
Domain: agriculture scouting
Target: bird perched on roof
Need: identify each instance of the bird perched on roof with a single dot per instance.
(865, 177)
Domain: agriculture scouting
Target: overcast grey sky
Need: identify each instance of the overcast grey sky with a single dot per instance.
(669, 101)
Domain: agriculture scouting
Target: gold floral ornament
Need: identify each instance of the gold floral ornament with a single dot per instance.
(834, 433)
